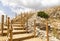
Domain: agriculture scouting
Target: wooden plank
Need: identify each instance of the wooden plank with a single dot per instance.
(11, 34)
(22, 36)
(21, 18)
(34, 39)
(47, 30)
(8, 25)
(3, 38)
(2, 25)
(26, 18)
(34, 28)
(16, 32)
(6, 19)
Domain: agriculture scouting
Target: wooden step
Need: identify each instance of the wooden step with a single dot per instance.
(15, 32)
(34, 39)
(19, 28)
(18, 25)
(4, 28)
(20, 37)
(15, 28)
(3, 38)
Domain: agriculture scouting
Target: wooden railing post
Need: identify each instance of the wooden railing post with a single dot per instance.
(21, 19)
(34, 28)
(27, 23)
(8, 25)
(6, 19)
(47, 31)
(10, 31)
(10, 35)
(2, 25)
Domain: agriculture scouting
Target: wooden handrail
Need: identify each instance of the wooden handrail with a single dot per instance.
(2, 25)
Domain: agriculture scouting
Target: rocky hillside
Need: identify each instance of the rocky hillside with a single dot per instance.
(54, 12)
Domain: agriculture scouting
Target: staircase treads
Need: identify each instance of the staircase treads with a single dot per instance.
(18, 28)
(18, 25)
(19, 31)
(15, 28)
(4, 28)
(17, 22)
(34, 39)
(23, 36)
(3, 38)
(15, 32)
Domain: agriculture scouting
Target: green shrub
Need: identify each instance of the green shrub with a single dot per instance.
(42, 14)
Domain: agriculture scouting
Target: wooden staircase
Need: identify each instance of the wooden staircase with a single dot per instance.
(19, 32)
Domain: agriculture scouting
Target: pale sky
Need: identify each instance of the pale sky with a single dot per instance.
(36, 4)
(11, 7)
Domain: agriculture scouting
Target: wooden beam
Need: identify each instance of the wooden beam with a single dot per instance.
(6, 19)
(34, 28)
(27, 23)
(8, 25)
(10, 31)
(11, 35)
(21, 19)
(47, 31)
(2, 25)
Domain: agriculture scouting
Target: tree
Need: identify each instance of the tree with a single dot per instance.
(42, 14)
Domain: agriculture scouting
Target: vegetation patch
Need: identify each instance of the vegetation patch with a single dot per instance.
(42, 14)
